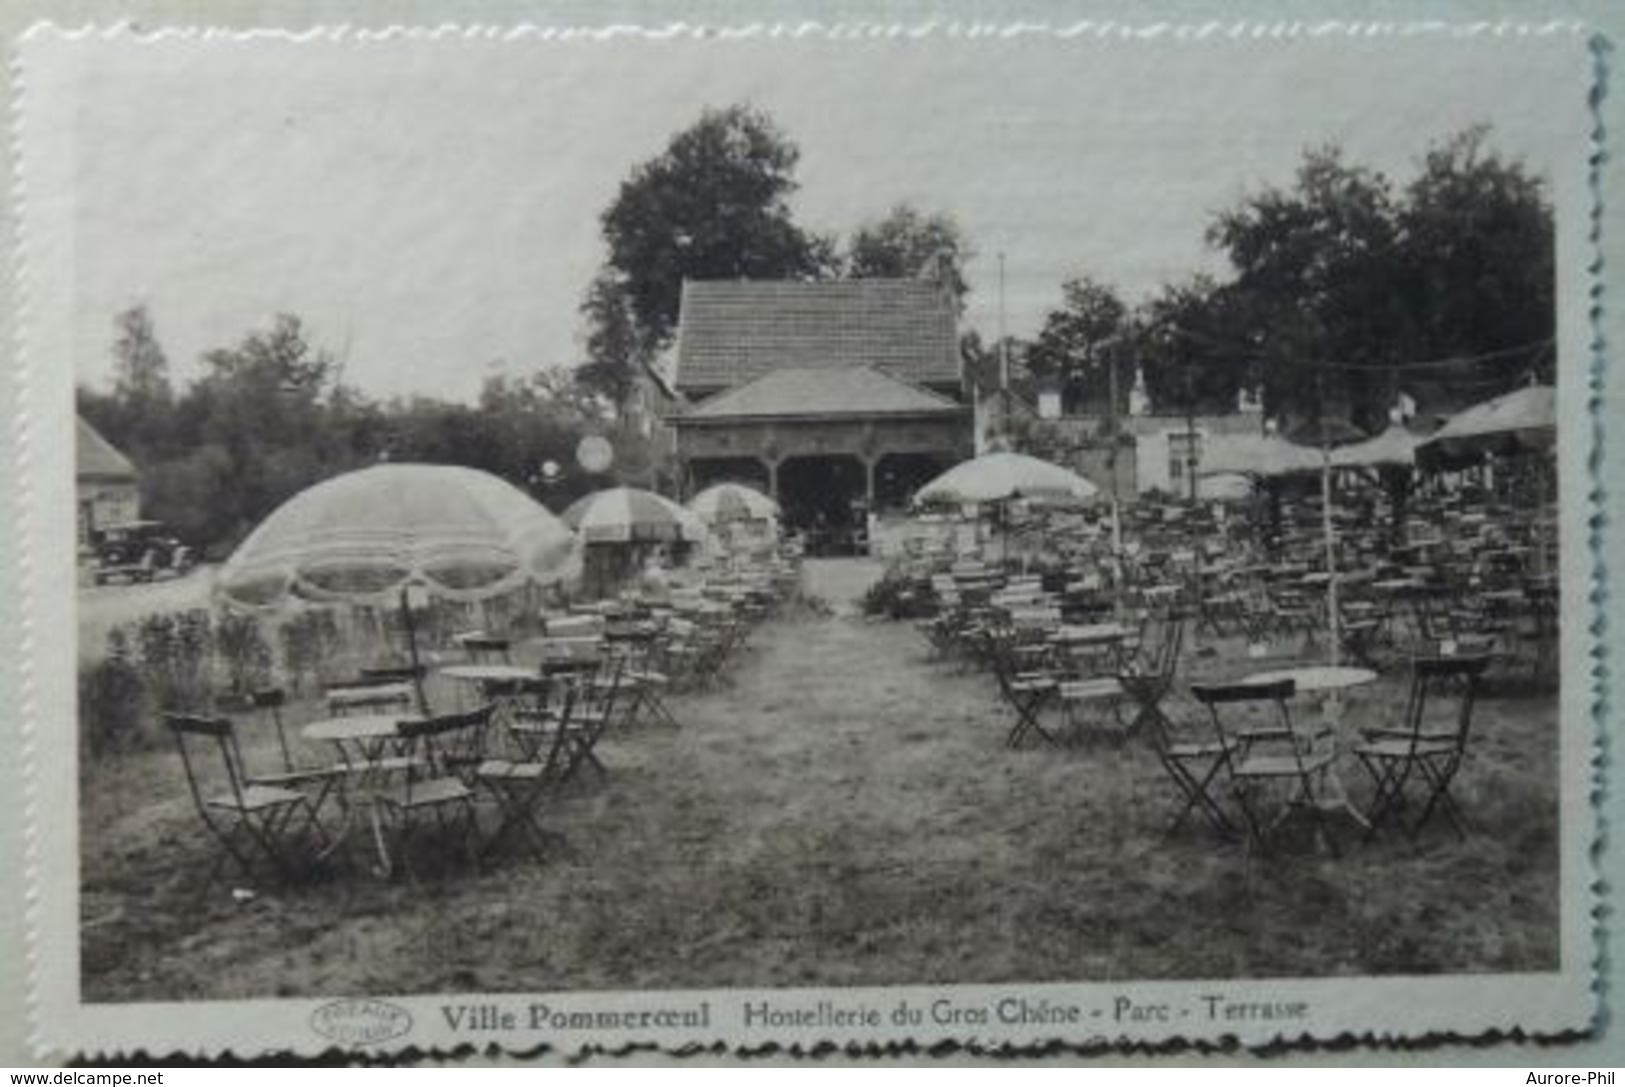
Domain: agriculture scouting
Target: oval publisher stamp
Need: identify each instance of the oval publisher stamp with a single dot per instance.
(360, 1022)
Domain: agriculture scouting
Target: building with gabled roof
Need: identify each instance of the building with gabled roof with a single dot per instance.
(835, 397)
(106, 483)
(734, 331)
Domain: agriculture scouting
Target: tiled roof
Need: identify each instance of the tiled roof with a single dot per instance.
(799, 391)
(733, 331)
(96, 458)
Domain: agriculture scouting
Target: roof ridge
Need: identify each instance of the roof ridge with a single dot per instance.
(801, 390)
(94, 455)
(731, 331)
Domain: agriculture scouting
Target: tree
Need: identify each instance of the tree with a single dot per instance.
(1195, 343)
(249, 434)
(140, 368)
(1079, 341)
(1476, 240)
(1317, 270)
(713, 205)
(984, 364)
(616, 354)
(1346, 283)
(903, 242)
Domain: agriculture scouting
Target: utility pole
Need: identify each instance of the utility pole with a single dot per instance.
(1111, 348)
(1197, 604)
(1004, 339)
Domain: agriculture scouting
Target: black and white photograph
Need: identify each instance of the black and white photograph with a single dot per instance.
(940, 535)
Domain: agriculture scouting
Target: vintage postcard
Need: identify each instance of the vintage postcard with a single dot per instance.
(800, 535)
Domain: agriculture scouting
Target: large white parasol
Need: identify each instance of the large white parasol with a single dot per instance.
(1521, 421)
(999, 477)
(726, 502)
(361, 537)
(632, 515)
(369, 536)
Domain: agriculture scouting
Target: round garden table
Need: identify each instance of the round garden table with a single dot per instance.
(1331, 680)
(362, 741)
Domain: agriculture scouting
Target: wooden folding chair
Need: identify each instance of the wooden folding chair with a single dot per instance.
(1422, 751)
(270, 702)
(444, 749)
(647, 679)
(246, 819)
(1026, 694)
(590, 717)
(1193, 765)
(518, 785)
(1277, 754)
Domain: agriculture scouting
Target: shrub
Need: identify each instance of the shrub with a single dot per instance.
(112, 700)
(244, 651)
(175, 657)
(310, 642)
(898, 597)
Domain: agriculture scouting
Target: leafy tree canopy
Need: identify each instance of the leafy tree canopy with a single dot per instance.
(903, 242)
(1193, 342)
(1080, 340)
(712, 205)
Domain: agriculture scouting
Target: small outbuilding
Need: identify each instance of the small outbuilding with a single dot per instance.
(107, 485)
(834, 397)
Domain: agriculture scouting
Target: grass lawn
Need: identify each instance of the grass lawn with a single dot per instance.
(841, 810)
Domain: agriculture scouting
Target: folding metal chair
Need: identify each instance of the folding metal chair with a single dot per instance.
(590, 717)
(444, 748)
(246, 819)
(647, 679)
(1421, 750)
(1026, 694)
(518, 786)
(270, 702)
(1277, 754)
(1193, 765)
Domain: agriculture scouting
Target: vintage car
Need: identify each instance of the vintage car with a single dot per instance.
(139, 551)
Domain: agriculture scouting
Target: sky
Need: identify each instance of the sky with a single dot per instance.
(430, 209)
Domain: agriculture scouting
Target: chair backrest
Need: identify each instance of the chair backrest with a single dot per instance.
(484, 648)
(997, 644)
(1214, 695)
(197, 730)
(1436, 678)
(270, 701)
(369, 697)
(390, 673)
(1164, 657)
(447, 739)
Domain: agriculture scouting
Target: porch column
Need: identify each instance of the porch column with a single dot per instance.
(772, 477)
(869, 480)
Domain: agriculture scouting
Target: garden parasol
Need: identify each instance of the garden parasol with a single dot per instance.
(1393, 448)
(726, 502)
(999, 477)
(1517, 422)
(631, 515)
(1261, 456)
(367, 537)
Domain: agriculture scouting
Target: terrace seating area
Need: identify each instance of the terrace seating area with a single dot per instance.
(450, 765)
(1218, 643)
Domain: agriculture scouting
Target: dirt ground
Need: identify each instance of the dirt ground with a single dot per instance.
(841, 810)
